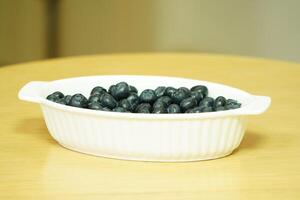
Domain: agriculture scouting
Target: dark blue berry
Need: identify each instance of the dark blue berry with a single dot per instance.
(106, 109)
(231, 101)
(133, 100)
(95, 98)
(179, 95)
(159, 110)
(194, 110)
(95, 106)
(108, 101)
(200, 88)
(112, 89)
(143, 108)
(148, 96)
(173, 108)
(207, 101)
(132, 89)
(58, 94)
(159, 107)
(170, 91)
(160, 91)
(188, 103)
(62, 101)
(166, 99)
(197, 95)
(52, 98)
(78, 100)
(219, 101)
(68, 99)
(120, 91)
(186, 90)
(159, 104)
(207, 109)
(233, 106)
(55, 96)
(220, 108)
(98, 90)
(119, 109)
(124, 103)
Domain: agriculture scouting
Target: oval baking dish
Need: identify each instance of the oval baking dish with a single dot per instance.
(146, 137)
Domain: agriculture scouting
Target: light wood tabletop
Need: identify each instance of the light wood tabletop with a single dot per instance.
(265, 166)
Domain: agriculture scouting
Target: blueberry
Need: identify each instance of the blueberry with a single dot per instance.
(189, 111)
(159, 110)
(106, 109)
(186, 90)
(207, 109)
(174, 108)
(194, 110)
(220, 108)
(179, 95)
(148, 96)
(108, 101)
(233, 106)
(52, 98)
(132, 89)
(159, 104)
(166, 99)
(133, 100)
(197, 95)
(62, 101)
(220, 101)
(159, 107)
(68, 99)
(112, 89)
(95, 98)
(170, 91)
(231, 101)
(120, 91)
(143, 108)
(55, 96)
(200, 88)
(188, 103)
(207, 101)
(200, 109)
(78, 100)
(124, 103)
(95, 106)
(58, 94)
(160, 91)
(119, 109)
(98, 90)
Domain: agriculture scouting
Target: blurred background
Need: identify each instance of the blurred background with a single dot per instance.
(40, 29)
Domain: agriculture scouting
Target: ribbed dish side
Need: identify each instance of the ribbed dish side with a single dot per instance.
(149, 140)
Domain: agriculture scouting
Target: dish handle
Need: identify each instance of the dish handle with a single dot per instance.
(30, 91)
(258, 105)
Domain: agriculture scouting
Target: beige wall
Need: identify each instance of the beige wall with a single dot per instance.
(23, 30)
(105, 26)
(263, 28)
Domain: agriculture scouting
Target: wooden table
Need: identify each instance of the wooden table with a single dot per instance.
(266, 165)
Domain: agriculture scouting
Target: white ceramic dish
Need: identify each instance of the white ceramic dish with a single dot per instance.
(146, 137)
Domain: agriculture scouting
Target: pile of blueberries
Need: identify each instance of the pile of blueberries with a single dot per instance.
(122, 97)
